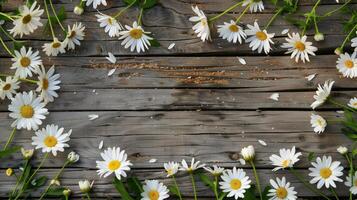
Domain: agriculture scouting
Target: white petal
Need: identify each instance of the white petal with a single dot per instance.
(93, 117)
(310, 77)
(241, 60)
(171, 46)
(152, 160)
(111, 58)
(111, 72)
(262, 142)
(101, 145)
(242, 161)
(274, 96)
(285, 31)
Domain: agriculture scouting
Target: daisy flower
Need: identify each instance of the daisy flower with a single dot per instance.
(48, 83)
(281, 190)
(231, 32)
(352, 103)
(215, 171)
(27, 110)
(114, 161)
(201, 28)
(75, 35)
(287, 158)
(8, 87)
(194, 166)
(235, 182)
(135, 37)
(54, 48)
(325, 172)
(171, 168)
(352, 183)
(259, 39)
(96, 3)
(51, 139)
(318, 123)
(254, 5)
(298, 47)
(347, 65)
(154, 190)
(354, 42)
(25, 62)
(322, 93)
(110, 24)
(28, 21)
(248, 153)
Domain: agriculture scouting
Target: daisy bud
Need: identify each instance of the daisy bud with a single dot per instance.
(338, 51)
(2, 22)
(78, 10)
(319, 37)
(55, 182)
(248, 153)
(342, 150)
(9, 172)
(27, 153)
(85, 186)
(73, 157)
(66, 192)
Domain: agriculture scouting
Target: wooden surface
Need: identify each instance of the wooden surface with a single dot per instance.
(194, 100)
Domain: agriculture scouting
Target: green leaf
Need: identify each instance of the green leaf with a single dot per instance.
(266, 192)
(61, 14)
(9, 151)
(18, 44)
(55, 191)
(207, 181)
(173, 190)
(38, 182)
(129, 1)
(250, 193)
(154, 43)
(146, 4)
(135, 186)
(311, 156)
(121, 189)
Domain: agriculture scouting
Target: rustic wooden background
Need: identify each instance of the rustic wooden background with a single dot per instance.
(194, 100)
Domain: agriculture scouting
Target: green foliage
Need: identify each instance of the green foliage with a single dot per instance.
(9, 151)
(55, 192)
(18, 44)
(145, 4)
(61, 15)
(287, 6)
(37, 182)
(135, 187)
(207, 181)
(154, 43)
(349, 125)
(311, 156)
(121, 188)
(174, 190)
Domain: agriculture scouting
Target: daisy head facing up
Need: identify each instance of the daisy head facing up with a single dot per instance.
(154, 190)
(135, 38)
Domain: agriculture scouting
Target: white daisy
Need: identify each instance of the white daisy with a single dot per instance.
(299, 47)
(215, 170)
(28, 21)
(259, 39)
(74, 35)
(51, 139)
(110, 24)
(25, 62)
(135, 37)
(194, 166)
(231, 32)
(48, 83)
(352, 103)
(201, 28)
(325, 172)
(96, 3)
(171, 168)
(322, 93)
(354, 42)
(352, 183)
(318, 123)
(8, 87)
(281, 190)
(248, 153)
(347, 65)
(115, 161)
(286, 159)
(235, 182)
(27, 110)
(254, 5)
(54, 48)
(154, 190)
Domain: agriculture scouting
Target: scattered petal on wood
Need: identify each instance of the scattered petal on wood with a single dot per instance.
(310, 77)
(111, 58)
(241, 60)
(274, 96)
(242, 161)
(340, 111)
(111, 72)
(285, 31)
(171, 46)
(262, 142)
(101, 145)
(153, 160)
(93, 117)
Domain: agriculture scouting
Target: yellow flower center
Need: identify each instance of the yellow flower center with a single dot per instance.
(26, 19)
(286, 163)
(25, 61)
(355, 182)
(110, 21)
(26, 111)
(325, 173)
(44, 84)
(235, 184)
(261, 35)
(300, 46)
(50, 141)
(319, 122)
(233, 28)
(56, 45)
(9, 172)
(203, 22)
(354, 104)
(72, 34)
(154, 195)
(136, 33)
(169, 171)
(7, 86)
(349, 64)
(114, 165)
(281, 193)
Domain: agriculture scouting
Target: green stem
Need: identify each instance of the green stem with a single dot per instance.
(225, 12)
(18, 181)
(55, 178)
(7, 34)
(315, 25)
(88, 197)
(58, 20)
(347, 37)
(11, 137)
(341, 105)
(273, 18)
(6, 47)
(313, 10)
(178, 189)
(256, 179)
(7, 16)
(334, 193)
(350, 162)
(244, 11)
(337, 9)
(21, 79)
(215, 187)
(48, 17)
(193, 186)
(124, 9)
(307, 185)
(140, 16)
